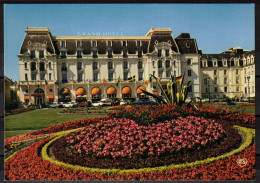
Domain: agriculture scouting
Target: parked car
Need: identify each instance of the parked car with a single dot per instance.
(122, 102)
(106, 102)
(144, 102)
(56, 105)
(97, 103)
(70, 104)
(84, 104)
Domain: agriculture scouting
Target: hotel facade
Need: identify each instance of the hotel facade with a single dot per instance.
(80, 68)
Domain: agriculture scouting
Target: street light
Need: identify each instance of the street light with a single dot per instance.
(248, 78)
(208, 88)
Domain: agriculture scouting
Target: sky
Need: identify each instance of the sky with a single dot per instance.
(216, 27)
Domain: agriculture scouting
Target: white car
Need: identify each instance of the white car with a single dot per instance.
(122, 102)
(97, 103)
(69, 104)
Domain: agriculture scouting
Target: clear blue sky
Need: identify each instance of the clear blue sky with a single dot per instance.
(215, 26)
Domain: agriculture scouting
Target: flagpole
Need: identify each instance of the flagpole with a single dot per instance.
(45, 92)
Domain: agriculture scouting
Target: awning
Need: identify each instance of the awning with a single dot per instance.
(126, 90)
(65, 91)
(140, 91)
(50, 96)
(80, 91)
(111, 90)
(96, 91)
(26, 97)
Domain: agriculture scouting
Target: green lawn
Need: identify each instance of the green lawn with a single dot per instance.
(40, 118)
(14, 133)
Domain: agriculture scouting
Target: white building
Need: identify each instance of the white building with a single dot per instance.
(80, 68)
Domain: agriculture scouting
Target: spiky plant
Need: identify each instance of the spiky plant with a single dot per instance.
(177, 91)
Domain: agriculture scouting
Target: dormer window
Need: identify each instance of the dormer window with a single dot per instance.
(109, 44)
(159, 53)
(63, 44)
(32, 54)
(138, 43)
(94, 44)
(78, 44)
(41, 54)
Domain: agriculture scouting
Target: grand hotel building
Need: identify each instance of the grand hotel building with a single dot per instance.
(78, 68)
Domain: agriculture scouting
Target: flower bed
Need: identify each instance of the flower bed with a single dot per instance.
(17, 111)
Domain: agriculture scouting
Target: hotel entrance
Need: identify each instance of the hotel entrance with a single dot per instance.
(38, 97)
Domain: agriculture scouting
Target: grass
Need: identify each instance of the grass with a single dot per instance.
(14, 133)
(40, 118)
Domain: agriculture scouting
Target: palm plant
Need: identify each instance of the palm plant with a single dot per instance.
(177, 91)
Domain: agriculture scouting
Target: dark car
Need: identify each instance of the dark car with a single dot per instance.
(85, 104)
(144, 102)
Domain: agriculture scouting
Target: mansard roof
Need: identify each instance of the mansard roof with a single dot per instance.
(182, 44)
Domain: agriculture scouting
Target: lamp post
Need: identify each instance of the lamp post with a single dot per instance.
(208, 79)
(248, 78)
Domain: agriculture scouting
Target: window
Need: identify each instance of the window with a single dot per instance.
(41, 54)
(63, 44)
(26, 77)
(236, 71)
(216, 89)
(225, 89)
(215, 63)
(64, 78)
(95, 76)
(189, 72)
(215, 80)
(190, 88)
(205, 80)
(33, 66)
(78, 44)
(79, 66)
(109, 54)
(109, 44)
(33, 76)
(110, 76)
(166, 53)
(225, 62)
(159, 53)
(94, 66)
(140, 53)
(188, 61)
(215, 72)
(110, 65)
(42, 76)
(237, 88)
(140, 76)
(204, 64)
(225, 72)
(42, 66)
(245, 90)
(49, 65)
(32, 54)
(125, 54)
(237, 80)
(174, 63)
(49, 76)
(124, 43)
(160, 74)
(140, 65)
(138, 43)
(63, 67)
(79, 54)
(63, 54)
(25, 65)
(125, 76)
(225, 80)
(167, 63)
(168, 74)
(94, 44)
(95, 54)
(79, 77)
(153, 63)
(159, 64)
(125, 65)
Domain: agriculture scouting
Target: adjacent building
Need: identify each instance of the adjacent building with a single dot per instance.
(79, 68)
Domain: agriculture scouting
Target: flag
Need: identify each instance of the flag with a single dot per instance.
(179, 79)
(147, 81)
(56, 83)
(72, 84)
(159, 80)
(46, 84)
(18, 85)
(118, 80)
(104, 82)
(131, 79)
